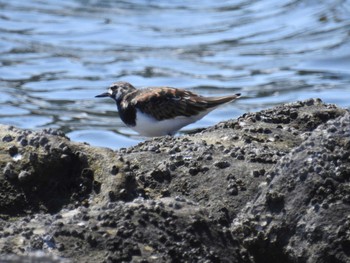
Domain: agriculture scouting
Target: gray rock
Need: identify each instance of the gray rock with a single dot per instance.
(271, 186)
(306, 206)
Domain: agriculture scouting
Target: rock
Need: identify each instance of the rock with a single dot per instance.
(271, 186)
(13, 150)
(24, 176)
(306, 205)
(9, 171)
(38, 257)
(7, 138)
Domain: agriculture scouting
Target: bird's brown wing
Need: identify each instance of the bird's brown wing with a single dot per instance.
(167, 103)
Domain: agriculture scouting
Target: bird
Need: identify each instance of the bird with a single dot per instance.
(160, 111)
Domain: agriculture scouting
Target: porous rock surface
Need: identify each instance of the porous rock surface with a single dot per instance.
(272, 186)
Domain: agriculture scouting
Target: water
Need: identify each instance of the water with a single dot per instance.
(57, 55)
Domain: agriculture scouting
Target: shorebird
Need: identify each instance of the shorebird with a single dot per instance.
(159, 111)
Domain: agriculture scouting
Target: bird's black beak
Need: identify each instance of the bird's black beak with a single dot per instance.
(103, 95)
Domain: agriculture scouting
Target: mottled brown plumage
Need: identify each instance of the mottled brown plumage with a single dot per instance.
(167, 103)
(160, 104)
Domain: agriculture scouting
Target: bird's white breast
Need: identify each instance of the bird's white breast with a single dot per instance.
(149, 126)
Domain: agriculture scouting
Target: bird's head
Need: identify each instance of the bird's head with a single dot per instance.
(117, 90)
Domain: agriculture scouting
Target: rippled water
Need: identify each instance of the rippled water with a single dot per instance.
(57, 55)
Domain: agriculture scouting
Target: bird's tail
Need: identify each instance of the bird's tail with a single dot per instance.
(216, 101)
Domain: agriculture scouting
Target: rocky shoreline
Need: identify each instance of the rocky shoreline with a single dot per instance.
(272, 186)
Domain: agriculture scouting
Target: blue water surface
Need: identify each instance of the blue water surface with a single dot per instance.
(57, 55)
